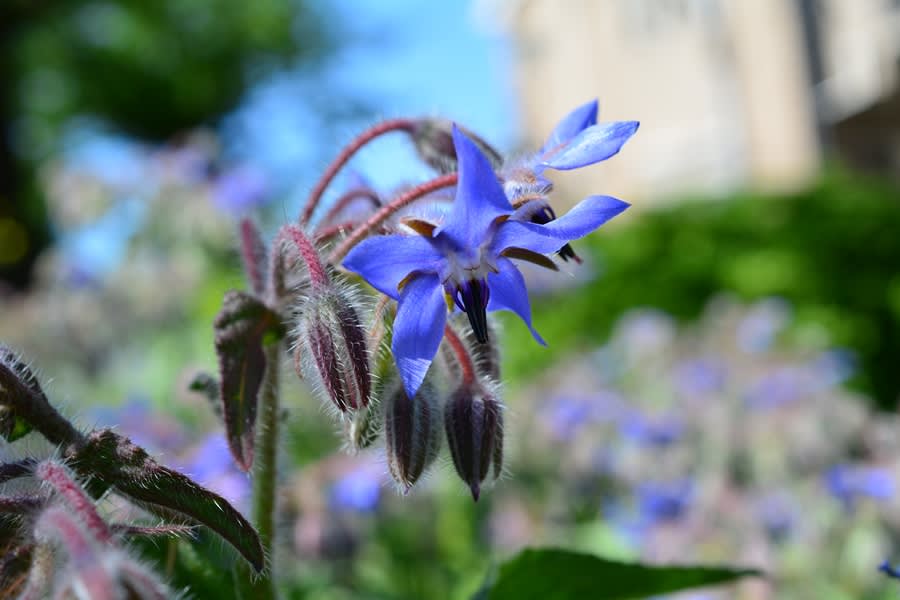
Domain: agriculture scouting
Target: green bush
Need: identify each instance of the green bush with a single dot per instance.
(833, 251)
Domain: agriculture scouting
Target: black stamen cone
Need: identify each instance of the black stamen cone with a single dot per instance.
(544, 216)
(474, 298)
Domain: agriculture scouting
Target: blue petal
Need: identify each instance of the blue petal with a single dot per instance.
(508, 292)
(571, 125)
(385, 260)
(585, 217)
(479, 196)
(592, 145)
(418, 329)
(531, 236)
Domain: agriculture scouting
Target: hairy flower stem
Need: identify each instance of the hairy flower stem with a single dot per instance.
(348, 197)
(264, 468)
(317, 275)
(385, 212)
(364, 138)
(463, 358)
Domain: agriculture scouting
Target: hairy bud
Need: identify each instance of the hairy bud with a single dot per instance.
(331, 350)
(433, 139)
(473, 418)
(362, 428)
(412, 432)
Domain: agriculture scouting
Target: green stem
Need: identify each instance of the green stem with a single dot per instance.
(265, 468)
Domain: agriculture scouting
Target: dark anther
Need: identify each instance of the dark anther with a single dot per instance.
(472, 297)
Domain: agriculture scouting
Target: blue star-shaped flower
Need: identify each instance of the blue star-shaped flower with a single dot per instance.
(576, 141)
(466, 257)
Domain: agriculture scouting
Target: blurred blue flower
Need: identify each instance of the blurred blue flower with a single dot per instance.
(700, 376)
(658, 431)
(777, 513)
(466, 259)
(150, 429)
(359, 490)
(660, 502)
(211, 465)
(834, 367)
(889, 570)
(783, 386)
(848, 483)
(764, 321)
(239, 190)
(564, 414)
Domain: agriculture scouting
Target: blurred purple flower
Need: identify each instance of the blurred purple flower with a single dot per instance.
(661, 502)
(210, 464)
(656, 431)
(764, 321)
(358, 490)
(152, 430)
(700, 376)
(565, 414)
(239, 190)
(834, 367)
(778, 514)
(783, 386)
(849, 483)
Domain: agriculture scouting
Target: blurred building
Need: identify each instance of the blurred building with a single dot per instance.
(730, 93)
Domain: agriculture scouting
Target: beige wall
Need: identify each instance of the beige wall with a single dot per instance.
(721, 87)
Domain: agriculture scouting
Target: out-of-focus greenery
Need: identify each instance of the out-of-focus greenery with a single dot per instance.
(151, 68)
(833, 251)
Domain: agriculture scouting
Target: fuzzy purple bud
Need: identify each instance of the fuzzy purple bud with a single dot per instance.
(412, 432)
(473, 418)
(331, 351)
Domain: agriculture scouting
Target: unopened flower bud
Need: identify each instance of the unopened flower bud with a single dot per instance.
(412, 432)
(473, 418)
(433, 139)
(362, 428)
(331, 350)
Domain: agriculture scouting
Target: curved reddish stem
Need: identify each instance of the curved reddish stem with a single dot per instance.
(466, 364)
(342, 158)
(326, 233)
(348, 197)
(386, 211)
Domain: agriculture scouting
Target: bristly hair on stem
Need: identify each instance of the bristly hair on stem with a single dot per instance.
(385, 212)
(405, 125)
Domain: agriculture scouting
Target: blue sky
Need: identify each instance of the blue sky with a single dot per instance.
(406, 58)
(412, 58)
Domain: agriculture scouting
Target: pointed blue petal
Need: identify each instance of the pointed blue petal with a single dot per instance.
(571, 125)
(518, 234)
(385, 260)
(418, 329)
(508, 292)
(593, 145)
(585, 217)
(479, 196)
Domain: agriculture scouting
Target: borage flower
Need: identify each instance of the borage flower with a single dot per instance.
(576, 141)
(467, 258)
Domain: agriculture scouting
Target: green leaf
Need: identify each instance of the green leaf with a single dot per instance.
(550, 574)
(112, 460)
(242, 326)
